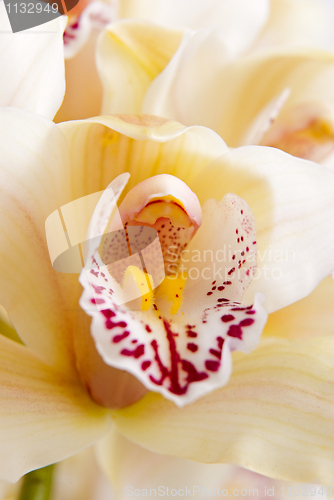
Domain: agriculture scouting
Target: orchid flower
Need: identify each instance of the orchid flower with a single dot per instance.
(274, 415)
(243, 27)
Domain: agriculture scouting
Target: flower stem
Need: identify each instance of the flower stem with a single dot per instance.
(37, 484)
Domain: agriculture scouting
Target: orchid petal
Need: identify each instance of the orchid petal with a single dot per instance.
(43, 319)
(222, 255)
(79, 477)
(127, 64)
(307, 318)
(104, 147)
(129, 466)
(9, 491)
(264, 120)
(292, 203)
(180, 91)
(298, 22)
(181, 359)
(163, 95)
(133, 469)
(305, 130)
(38, 407)
(274, 417)
(32, 66)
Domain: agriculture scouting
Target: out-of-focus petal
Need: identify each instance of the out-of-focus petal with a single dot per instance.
(241, 482)
(130, 467)
(240, 21)
(129, 56)
(192, 71)
(9, 491)
(44, 417)
(32, 66)
(274, 417)
(298, 22)
(239, 90)
(305, 130)
(79, 477)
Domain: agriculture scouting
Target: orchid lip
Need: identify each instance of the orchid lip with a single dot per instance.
(174, 334)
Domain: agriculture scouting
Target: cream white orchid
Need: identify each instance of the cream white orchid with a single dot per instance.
(48, 415)
(275, 414)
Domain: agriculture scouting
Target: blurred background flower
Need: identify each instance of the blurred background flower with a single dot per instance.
(242, 28)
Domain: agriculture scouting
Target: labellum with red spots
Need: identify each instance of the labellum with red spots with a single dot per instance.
(173, 326)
